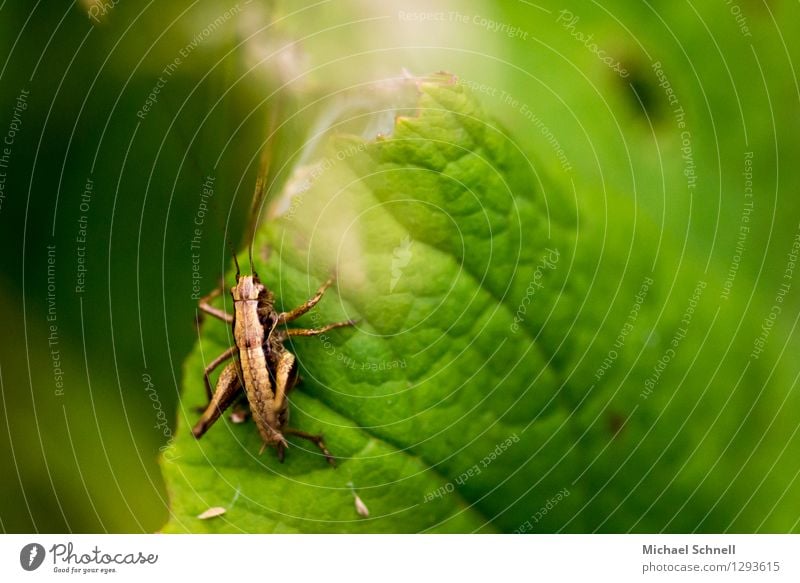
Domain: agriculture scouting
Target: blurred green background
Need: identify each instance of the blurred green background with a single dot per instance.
(75, 81)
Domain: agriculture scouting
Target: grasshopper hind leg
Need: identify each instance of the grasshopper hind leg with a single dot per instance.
(210, 368)
(316, 440)
(229, 386)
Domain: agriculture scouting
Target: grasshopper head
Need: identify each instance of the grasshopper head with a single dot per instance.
(248, 287)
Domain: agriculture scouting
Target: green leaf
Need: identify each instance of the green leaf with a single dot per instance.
(470, 396)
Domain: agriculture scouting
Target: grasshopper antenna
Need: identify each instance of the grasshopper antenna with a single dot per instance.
(250, 253)
(261, 180)
(235, 260)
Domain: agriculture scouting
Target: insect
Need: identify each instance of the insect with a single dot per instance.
(262, 367)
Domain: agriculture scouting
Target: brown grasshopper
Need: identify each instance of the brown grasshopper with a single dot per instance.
(261, 365)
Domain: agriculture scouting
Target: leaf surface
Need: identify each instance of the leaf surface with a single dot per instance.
(477, 391)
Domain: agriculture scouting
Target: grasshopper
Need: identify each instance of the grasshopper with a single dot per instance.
(262, 367)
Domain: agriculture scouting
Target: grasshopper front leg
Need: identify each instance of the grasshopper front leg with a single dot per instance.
(284, 317)
(206, 307)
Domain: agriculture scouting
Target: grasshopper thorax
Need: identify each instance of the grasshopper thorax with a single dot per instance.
(255, 303)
